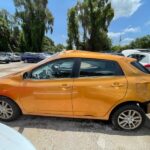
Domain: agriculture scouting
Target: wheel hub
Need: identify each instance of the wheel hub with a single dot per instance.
(6, 111)
(129, 119)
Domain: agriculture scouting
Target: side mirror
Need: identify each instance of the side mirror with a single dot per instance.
(26, 75)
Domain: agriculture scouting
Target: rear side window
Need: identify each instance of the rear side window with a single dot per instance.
(140, 67)
(137, 56)
(96, 68)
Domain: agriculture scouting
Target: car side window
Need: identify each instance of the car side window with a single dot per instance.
(139, 57)
(57, 69)
(97, 68)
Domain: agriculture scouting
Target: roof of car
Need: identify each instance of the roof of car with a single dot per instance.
(87, 54)
(141, 53)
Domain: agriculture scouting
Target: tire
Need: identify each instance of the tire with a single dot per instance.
(9, 110)
(25, 61)
(128, 118)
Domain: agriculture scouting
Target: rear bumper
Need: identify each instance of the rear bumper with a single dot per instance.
(148, 108)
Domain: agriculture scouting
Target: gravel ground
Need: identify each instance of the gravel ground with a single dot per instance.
(50, 133)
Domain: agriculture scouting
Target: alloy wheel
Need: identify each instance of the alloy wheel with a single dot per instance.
(129, 119)
(6, 110)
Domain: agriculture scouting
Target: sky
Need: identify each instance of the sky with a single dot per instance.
(132, 19)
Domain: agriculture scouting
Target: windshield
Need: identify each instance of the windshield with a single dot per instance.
(145, 50)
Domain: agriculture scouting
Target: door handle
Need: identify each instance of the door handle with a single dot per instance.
(65, 86)
(116, 84)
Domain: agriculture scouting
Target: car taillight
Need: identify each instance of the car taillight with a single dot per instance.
(147, 66)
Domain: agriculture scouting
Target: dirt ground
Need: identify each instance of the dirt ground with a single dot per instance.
(50, 133)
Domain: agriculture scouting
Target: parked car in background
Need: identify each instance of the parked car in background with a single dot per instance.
(80, 84)
(132, 51)
(25, 56)
(34, 57)
(117, 53)
(13, 57)
(18, 54)
(143, 58)
(4, 58)
(47, 55)
(12, 140)
(113, 53)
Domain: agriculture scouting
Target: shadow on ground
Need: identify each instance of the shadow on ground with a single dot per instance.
(75, 125)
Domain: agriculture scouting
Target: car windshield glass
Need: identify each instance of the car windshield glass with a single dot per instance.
(140, 67)
(146, 50)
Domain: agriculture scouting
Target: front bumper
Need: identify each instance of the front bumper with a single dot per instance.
(5, 60)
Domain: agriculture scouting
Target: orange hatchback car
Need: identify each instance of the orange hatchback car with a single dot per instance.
(79, 84)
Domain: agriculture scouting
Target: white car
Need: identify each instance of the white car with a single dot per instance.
(12, 140)
(142, 58)
(132, 51)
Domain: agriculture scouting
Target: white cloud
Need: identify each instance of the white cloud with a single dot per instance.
(127, 41)
(131, 30)
(113, 35)
(125, 8)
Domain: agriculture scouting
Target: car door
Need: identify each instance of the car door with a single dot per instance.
(101, 83)
(49, 88)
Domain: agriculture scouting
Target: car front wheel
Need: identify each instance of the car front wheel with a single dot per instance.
(128, 117)
(8, 109)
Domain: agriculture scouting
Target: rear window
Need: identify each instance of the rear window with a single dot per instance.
(140, 67)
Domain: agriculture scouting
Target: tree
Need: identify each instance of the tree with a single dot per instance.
(49, 45)
(4, 34)
(93, 19)
(59, 48)
(143, 42)
(73, 33)
(9, 32)
(35, 20)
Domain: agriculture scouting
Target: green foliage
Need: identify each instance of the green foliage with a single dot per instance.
(12, 37)
(49, 45)
(35, 20)
(73, 33)
(9, 32)
(4, 34)
(93, 18)
(116, 48)
(59, 48)
(143, 43)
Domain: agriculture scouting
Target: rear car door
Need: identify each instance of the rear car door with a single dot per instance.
(100, 84)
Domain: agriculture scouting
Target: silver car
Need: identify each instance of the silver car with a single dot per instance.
(4, 58)
(13, 57)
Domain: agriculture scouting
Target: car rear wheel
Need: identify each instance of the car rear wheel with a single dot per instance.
(128, 117)
(8, 109)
